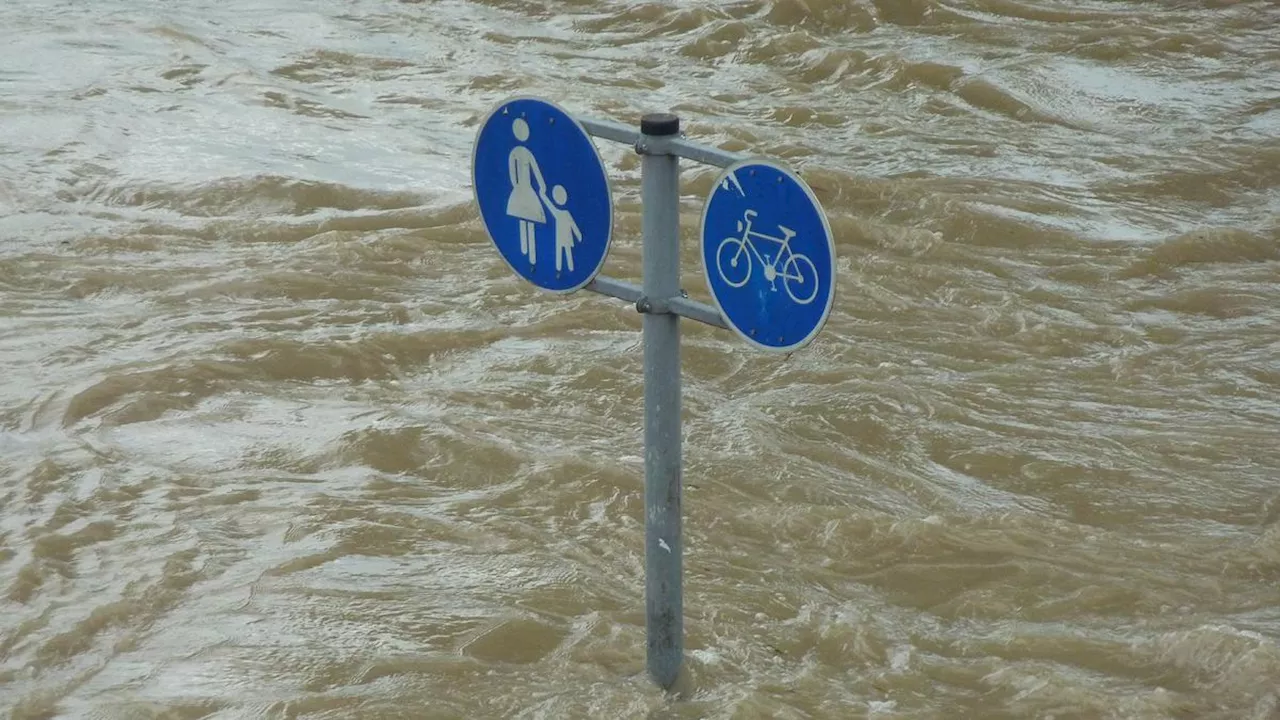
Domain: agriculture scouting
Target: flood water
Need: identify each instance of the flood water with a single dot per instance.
(282, 437)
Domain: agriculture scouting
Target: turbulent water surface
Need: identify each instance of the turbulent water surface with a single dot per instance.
(281, 436)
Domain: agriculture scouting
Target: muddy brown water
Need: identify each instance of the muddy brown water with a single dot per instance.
(281, 436)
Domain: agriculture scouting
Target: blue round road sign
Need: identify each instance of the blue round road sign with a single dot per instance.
(768, 255)
(543, 193)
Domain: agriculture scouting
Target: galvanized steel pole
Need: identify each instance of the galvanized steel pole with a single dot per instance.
(664, 565)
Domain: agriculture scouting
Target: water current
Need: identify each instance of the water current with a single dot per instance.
(282, 437)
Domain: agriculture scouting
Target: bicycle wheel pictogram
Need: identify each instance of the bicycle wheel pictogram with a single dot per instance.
(733, 261)
(800, 279)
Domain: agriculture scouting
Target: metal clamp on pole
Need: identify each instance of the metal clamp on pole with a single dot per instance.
(664, 546)
(647, 305)
(681, 305)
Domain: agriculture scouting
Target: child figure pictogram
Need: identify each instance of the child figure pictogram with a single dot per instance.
(566, 228)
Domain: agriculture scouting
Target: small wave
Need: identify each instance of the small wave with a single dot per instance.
(653, 20)
(990, 222)
(1228, 661)
(323, 65)
(139, 605)
(1249, 170)
(717, 40)
(822, 15)
(1037, 13)
(992, 96)
(832, 65)
(129, 397)
(143, 395)
(395, 451)
(1210, 245)
(307, 108)
(268, 194)
(916, 12)
(931, 74)
(861, 69)
(774, 49)
(635, 17)
(1211, 302)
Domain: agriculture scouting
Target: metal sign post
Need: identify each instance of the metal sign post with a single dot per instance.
(768, 258)
(663, 542)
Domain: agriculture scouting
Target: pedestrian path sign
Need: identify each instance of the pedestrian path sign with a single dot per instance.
(543, 193)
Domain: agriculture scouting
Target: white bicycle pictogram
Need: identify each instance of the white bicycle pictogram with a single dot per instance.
(799, 275)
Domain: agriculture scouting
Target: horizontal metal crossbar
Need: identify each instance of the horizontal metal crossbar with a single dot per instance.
(682, 306)
(680, 147)
(674, 145)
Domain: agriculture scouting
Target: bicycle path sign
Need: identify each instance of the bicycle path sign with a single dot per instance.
(768, 255)
(543, 193)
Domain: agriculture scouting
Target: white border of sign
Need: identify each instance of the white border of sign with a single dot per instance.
(831, 246)
(608, 186)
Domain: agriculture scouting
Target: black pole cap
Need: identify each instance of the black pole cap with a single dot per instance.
(660, 124)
